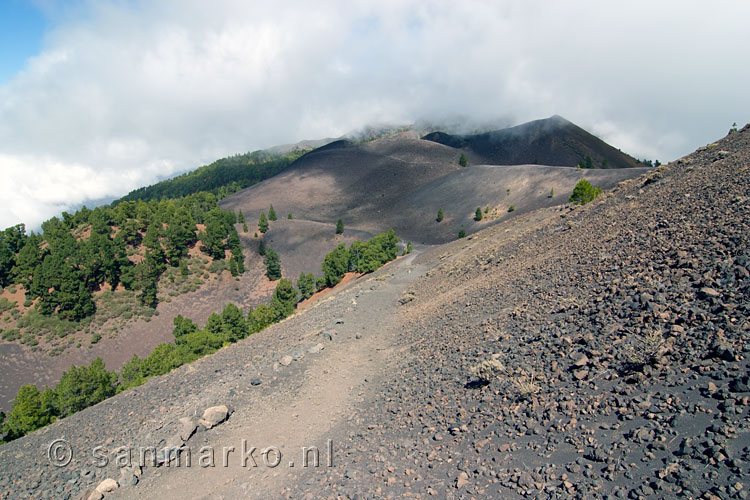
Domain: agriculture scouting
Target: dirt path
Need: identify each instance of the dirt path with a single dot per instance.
(330, 386)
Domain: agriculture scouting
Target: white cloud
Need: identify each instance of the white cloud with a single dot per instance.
(126, 92)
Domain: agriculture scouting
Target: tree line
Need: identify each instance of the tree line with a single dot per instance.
(75, 255)
(221, 178)
(81, 387)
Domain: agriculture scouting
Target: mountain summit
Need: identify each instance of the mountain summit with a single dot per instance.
(551, 141)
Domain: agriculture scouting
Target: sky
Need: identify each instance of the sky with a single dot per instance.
(100, 97)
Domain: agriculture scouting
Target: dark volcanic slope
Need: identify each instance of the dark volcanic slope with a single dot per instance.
(302, 244)
(621, 339)
(324, 184)
(400, 182)
(553, 141)
(620, 345)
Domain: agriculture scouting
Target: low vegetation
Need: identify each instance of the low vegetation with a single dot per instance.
(134, 253)
(584, 192)
(81, 387)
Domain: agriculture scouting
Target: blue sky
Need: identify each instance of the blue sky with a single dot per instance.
(22, 28)
(99, 97)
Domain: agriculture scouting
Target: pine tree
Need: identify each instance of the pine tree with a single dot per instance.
(461, 233)
(263, 223)
(244, 227)
(27, 414)
(289, 215)
(440, 215)
(262, 248)
(241, 217)
(306, 285)
(84, 386)
(234, 325)
(463, 161)
(478, 214)
(273, 264)
(335, 265)
(284, 299)
(340, 227)
(272, 214)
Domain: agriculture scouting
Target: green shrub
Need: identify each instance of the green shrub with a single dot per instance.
(29, 339)
(11, 335)
(84, 386)
(164, 358)
(512, 208)
(6, 305)
(131, 375)
(584, 192)
(369, 256)
(261, 317)
(200, 343)
(440, 215)
(218, 266)
(478, 214)
(462, 233)
(335, 265)
(182, 326)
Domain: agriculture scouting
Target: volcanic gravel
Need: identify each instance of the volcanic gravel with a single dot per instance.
(572, 352)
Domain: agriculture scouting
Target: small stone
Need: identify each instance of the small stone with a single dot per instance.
(214, 416)
(581, 374)
(596, 455)
(127, 477)
(741, 384)
(107, 485)
(286, 360)
(583, 360)
(95, 495)
(187, 427)
(722, 350)
(316, 348)
(462, 480)
(255, 381)
(709, 292)
(525, 481)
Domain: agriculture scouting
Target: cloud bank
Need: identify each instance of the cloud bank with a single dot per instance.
(125, 93)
